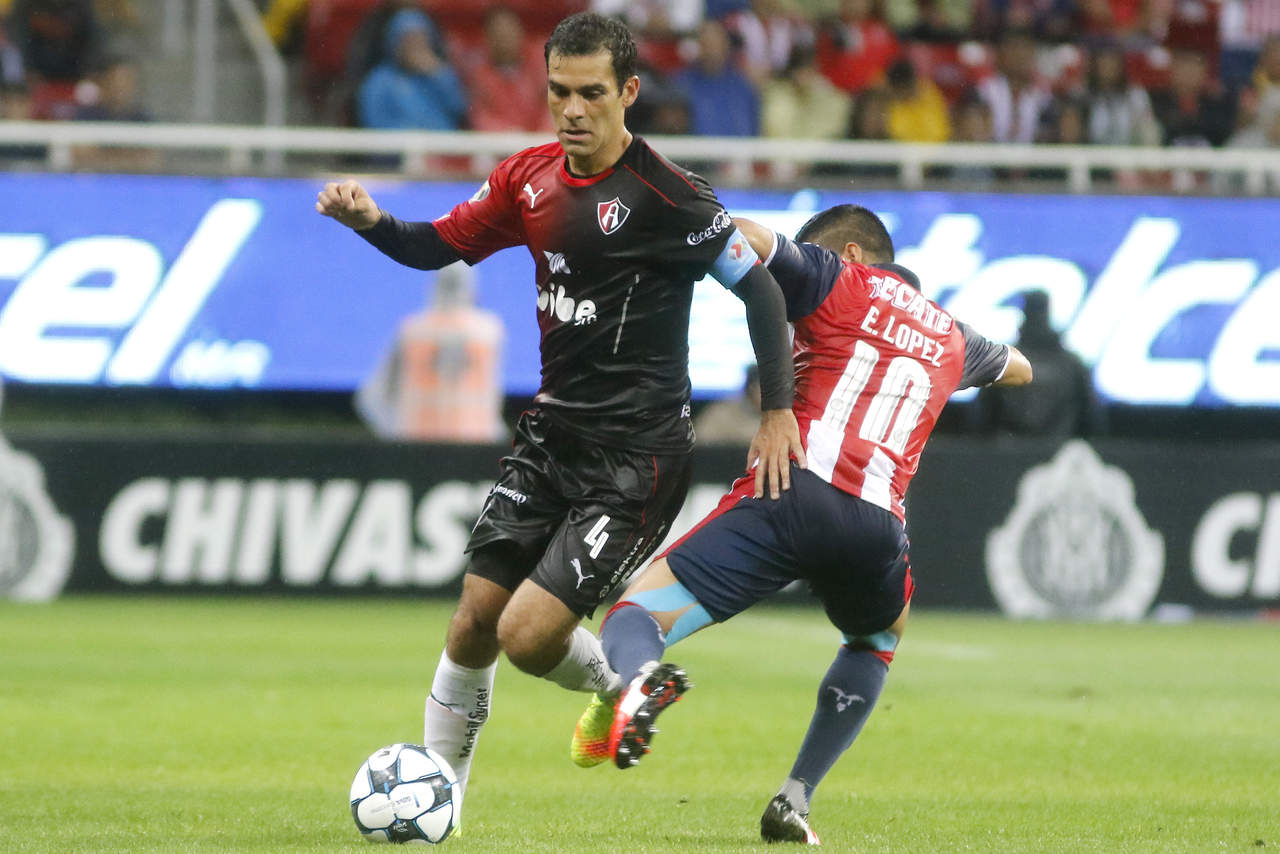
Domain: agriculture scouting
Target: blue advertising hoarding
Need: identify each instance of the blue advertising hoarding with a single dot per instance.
(237, 282)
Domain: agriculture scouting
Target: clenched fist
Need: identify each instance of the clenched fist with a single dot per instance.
(350, 204)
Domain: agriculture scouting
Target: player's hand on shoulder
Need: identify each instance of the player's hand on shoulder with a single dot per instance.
(349, 203)
(777, 442)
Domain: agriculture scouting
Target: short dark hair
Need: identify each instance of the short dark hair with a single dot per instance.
(842, 224)
(586, 34)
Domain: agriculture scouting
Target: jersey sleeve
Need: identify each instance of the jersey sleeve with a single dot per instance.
(984, 360)
(488, 221)
(702, 230)
(806, 273)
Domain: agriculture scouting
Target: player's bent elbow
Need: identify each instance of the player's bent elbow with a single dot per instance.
(1018, 372)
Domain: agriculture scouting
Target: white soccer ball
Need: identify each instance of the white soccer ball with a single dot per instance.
(404, 793)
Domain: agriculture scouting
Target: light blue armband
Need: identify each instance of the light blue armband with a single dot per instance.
(735, 261)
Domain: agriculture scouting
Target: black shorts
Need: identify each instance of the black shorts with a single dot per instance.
(852, 553)
(574, 516)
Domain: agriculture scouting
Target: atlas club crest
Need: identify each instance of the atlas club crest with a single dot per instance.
(612, 214)
(1075, 543)
(35, 542)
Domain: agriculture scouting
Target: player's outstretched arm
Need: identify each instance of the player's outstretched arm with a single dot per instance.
(414, 244)
(1018, 371)
(350, 204)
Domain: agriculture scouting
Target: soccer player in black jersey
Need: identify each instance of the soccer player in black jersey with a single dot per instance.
(600, 463)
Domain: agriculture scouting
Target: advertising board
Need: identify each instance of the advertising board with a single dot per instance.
(237, 283)
(1104, 531)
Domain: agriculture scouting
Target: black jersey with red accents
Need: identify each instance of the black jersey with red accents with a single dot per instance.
(617, 255)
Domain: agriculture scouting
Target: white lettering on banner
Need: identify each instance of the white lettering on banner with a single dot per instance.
(377, 546)
(120, 538)
(1237, 371)
(193, 276)
(53, 296)
(443, 524)
(982, 300)
(226, 531)
(945, 258)
(103, 308)
(258, 533)
(220, 363)
(1126, 370)
(1212, 565)
(201, 530)
(310, 528)
(1120, 286)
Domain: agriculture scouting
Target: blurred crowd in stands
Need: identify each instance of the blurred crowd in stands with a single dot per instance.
(70, 59)
(1116, 72)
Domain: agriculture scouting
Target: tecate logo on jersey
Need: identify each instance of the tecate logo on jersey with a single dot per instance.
(55, 328)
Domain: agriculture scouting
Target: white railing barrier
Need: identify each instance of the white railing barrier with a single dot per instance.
(204, 38)
(1258, 168)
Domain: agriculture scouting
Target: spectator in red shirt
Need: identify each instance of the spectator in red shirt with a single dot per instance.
(507, 80)
(855, 49)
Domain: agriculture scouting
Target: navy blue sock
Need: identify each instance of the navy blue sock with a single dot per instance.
(846, 697)
(631, 637)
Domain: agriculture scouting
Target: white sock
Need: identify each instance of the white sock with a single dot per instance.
(584, 667)
(457, 708)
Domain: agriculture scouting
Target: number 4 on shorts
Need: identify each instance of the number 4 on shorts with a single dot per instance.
(596, 537)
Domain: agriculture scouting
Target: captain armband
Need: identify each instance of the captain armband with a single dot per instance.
(735, 261)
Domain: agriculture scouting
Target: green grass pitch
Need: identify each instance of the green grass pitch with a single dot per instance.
(159, 724)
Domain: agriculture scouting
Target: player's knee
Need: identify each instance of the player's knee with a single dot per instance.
(473, 636)
(527, 646)
(880, 644)
(472, 624)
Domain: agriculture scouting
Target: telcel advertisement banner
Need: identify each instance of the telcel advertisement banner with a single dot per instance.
(239, 283)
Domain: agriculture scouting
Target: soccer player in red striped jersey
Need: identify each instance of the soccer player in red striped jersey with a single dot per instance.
(875, 363)
(601, 461)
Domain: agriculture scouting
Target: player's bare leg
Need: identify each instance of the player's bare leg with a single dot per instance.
(541, 636)
(462, 688)
(846, 697)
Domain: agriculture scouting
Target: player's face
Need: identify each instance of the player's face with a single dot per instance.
(588, 109)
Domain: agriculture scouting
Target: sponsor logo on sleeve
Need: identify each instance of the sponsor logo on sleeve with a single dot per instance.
(720, 223)
(1075, 543)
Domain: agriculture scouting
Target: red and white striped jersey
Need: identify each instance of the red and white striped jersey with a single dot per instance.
(875, 363)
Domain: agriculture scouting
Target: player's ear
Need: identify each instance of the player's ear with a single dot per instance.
(630, 91)
(852, 253)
